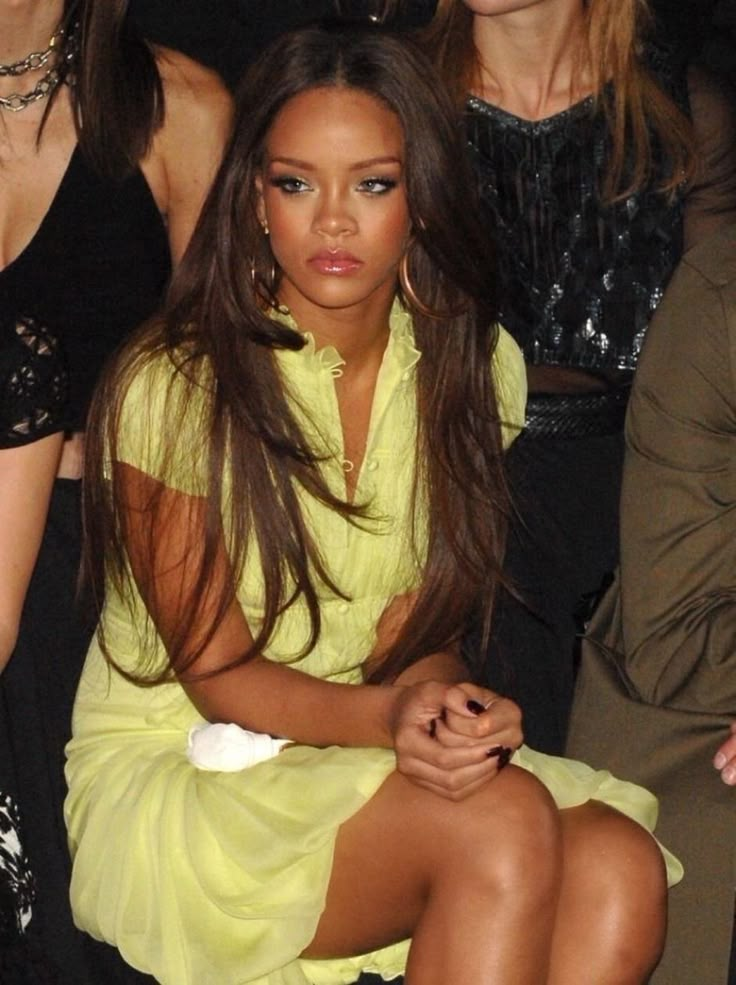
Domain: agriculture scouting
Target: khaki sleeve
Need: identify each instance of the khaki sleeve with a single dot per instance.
(678, 504)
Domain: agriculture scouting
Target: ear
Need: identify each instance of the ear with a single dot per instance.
(260, 205)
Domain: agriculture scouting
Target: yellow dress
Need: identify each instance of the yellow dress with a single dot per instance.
(219, 878)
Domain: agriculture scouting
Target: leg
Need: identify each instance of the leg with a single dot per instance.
(613, 902)
(465, 880)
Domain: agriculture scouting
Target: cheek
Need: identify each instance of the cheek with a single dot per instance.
(395, 232)
(285, 229)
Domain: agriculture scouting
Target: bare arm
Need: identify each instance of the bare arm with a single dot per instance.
(187, 150)
(26, 476)
(269, 697)
(259, 694)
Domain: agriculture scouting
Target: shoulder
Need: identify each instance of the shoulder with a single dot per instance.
(713, 260)
(193, 93)
(151, 376)
(711, 105)
(164, 402)
(687, 361)
(668, 68)
(187, 150)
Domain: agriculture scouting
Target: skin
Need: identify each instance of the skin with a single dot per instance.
(26, 476)
(443, 851)
(351, 203)
(528, 51)
(197, 118)
(725, 759)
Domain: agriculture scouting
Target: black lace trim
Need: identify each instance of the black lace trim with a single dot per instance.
(34, 383)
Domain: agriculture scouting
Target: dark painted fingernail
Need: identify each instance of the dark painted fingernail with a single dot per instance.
(475, 706)
(433, 728)
(504, 755)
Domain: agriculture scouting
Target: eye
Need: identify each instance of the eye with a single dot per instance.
(377, 185)
(289, 184)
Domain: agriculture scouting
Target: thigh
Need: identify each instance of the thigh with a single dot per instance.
(390, 855)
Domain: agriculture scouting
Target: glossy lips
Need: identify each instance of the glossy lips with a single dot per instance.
(335, 262)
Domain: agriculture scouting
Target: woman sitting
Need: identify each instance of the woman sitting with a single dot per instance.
(285, 487)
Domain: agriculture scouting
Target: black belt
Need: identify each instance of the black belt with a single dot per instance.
(577, 415)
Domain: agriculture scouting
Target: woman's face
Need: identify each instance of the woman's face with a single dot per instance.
(333, 197)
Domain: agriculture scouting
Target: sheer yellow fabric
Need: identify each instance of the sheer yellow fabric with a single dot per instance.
(205, 878)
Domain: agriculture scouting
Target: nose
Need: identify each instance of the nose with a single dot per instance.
(334, 216)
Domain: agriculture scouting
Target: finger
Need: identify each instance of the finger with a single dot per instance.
(725, 761)
(417, 745)
(452, 795)
(502, 721)
(469, 700)
(725, 753)
(450, 739)
(454, 784)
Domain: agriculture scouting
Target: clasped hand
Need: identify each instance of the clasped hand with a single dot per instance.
(453, 738)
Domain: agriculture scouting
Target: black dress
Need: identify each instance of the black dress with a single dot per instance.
(578, 282)
(95, 269)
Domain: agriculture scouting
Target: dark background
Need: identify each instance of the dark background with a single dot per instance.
(229, 34)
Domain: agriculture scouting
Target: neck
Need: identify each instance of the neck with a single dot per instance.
(359, 333)
(26, 26)
(530, 58)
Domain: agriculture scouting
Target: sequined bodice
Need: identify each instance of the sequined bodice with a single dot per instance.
(579, 279)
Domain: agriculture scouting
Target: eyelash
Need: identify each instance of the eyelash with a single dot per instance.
(384, 185)
(291, 185)
(288, 184)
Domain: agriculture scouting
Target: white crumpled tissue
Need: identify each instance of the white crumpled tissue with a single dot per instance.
(228, 748)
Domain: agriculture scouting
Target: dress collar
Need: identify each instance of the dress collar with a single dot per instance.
(400, 350)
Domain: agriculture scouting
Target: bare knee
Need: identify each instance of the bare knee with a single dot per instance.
(616, 872)
(507, 838)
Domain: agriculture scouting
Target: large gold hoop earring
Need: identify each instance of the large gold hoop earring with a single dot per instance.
(410, 294)
(264, 285)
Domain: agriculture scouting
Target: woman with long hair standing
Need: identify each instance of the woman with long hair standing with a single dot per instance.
(107, 148)
(599, 159)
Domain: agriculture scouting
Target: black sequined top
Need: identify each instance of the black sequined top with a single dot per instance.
(579, 280)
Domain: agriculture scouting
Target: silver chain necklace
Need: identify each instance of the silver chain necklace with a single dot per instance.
(36, 59)
(44, 87)
(18, 101)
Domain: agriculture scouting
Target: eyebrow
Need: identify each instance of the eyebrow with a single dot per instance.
(293, 162)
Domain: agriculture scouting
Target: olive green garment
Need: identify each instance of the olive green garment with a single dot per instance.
(657, 685)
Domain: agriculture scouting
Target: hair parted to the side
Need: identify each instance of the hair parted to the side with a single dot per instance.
(216, 317)
(117, 96)
(637, 108)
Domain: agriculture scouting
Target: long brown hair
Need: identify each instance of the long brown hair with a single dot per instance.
(248, 423)
(637, 108)
(116, 92)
